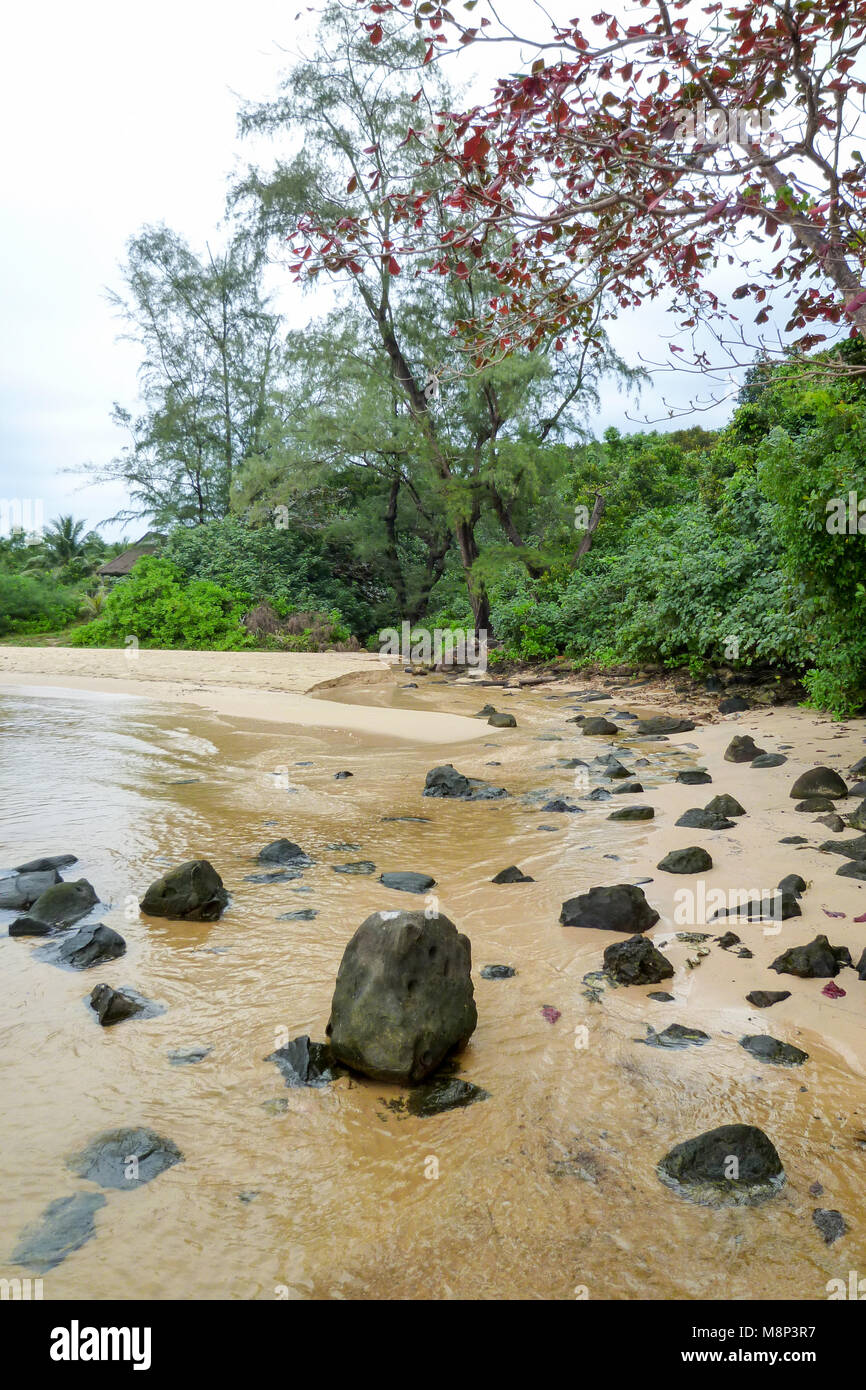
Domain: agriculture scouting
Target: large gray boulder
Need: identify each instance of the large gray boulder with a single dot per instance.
(194, 892)
(64, 903)
(819, 781)
(22, 890)
(732, 1165)
(403, 998)
(620, 907)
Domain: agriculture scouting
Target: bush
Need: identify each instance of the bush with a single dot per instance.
(157, 607)
(30, 604)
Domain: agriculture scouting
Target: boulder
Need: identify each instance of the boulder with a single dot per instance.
(664, 724)
(698, 819)
(283, 852)
(443, 1093)
(305, 1063)
(775, 907)
(502, 721)
(112, 1005)
(498, 972)
(192, 892)
(403, 998)
(636, 962)
(724, 805)
(50, 861)
(817, 960)
(560, 806)
(852, 849)
(621, 907)
(107, 1159)
(627, 789)
(742, 749)
(856, 868)
(857, 818)
(734, 704)
(768, 1049)
(593, 726)
(769, 760)
(89, 946)
(731, 1165)
(632, 813)
(404, 881)
(793, 883)
(676, 1035)
(692, 860)
(357, 866)
(832, 822)
(512, 875)
(64, 903)
(22, 890)
(693, 777)
(446, 781)
(815, 803)
(819, 781)
(610, 767)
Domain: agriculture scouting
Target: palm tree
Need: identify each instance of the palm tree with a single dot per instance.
(64, 541)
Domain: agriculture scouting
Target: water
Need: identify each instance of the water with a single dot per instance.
(544, 1189)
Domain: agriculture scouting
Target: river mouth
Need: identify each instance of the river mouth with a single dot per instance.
(545, 1188)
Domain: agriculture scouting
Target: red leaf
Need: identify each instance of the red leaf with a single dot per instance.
(833, 991)
(376, 34)
(549, 1013)
(861, 919)
(827, 913)
(393, 267)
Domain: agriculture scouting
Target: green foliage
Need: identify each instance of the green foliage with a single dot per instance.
(159, 609)
(29, 603)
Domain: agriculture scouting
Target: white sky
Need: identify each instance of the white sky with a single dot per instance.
(113, 117)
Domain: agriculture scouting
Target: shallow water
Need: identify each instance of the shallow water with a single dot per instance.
(546, 1188)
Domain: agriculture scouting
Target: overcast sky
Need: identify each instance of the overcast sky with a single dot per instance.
(113, 117)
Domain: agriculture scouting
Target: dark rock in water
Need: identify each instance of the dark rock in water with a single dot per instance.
(65, 903)
(675, 1035)
(832, 822)
(742, 749)
(815, 803)
(793, 840)
(766, 998)
(112, 1005)
(700, 1167)
(447, 781)
(598, 794)
(305, 1063)
(852, 849)
(512, 875)
(88, 946)
(768, 1049)
(724, 805)
(831, 1224)
(632, 813)
(636, 962)
(502, 721)
(188, 1056)
(403, 998)
(446, 1093)
(52, 861)
(498, 972)
(793, 883)
(283, 852)
(660, 996)
(621, 907)
(423, 820)
(125, 1158)
(627, 789)
(769, 760)
(360, 866)
(727, 940)
(341, 776)
(65, 1225)
(857, 818)
(817, 960)
(595, 725)
(28, 925)
(302, 914)
(693, 777)
(855, 869)
(697, 819)
(692, 860)
(664, 724)
(192, 892)
(819, 781)
(733, 705)
(407, 882)
(22, 890)
(571, 762)
(610, 767)
(560, 806)
(274, 876)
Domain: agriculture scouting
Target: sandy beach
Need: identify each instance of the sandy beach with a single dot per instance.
(551, 1181)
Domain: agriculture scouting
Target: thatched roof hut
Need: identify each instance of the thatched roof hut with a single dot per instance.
(121, 565)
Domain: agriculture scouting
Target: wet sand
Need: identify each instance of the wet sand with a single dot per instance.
(546, 1187)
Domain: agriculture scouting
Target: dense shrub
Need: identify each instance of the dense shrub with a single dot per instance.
(32, 604)
(157, 607)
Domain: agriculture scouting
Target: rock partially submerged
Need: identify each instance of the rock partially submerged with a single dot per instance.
(621, 907)
(636, 962)
(192, 892)
(283, 852)
(65, 1225)
(405, 881)
(22, 890)
(444, 1093)
(88, 946)
(48, 861)
(65, 903)
(734, 1165)
(676, 1035)
(512, 875)
(404, 998)
(305, 1063)
(633, 813)
(113, 1005)
(768, 1049)
(125, 1158)
(446, 781)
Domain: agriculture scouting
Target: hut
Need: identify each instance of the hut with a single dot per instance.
(122, 564)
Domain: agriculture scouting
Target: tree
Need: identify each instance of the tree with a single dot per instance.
(648, 147)
(440, 439)
(211, 361)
